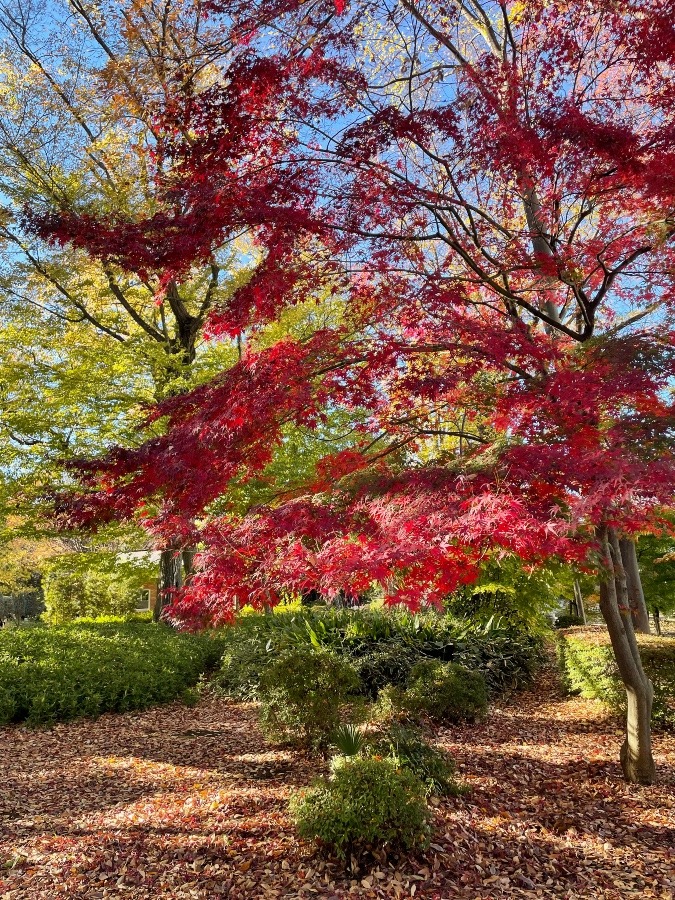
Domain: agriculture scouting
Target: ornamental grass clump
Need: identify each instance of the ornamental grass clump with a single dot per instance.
(365, 803)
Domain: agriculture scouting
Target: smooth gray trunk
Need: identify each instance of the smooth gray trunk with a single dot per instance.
(579, 597)
(636, 597)
(637, 761)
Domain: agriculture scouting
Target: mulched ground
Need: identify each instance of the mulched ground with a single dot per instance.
(183, 803)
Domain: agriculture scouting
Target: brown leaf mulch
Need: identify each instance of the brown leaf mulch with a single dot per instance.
(191, 803)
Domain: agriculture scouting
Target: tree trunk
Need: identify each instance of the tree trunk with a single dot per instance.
(170, 579)
(657, 620)
(188, 563)
(580, 601)
(636, 597)
(637, 761)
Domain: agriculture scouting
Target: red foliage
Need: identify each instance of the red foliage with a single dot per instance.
(508, 224)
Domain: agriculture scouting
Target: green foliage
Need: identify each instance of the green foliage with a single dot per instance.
(349, 740)
(367, 802)
(381, 644)
(434, 767)
(656, 556)
(303, 693)
(516, 597)
(446, 692)
(588, 668)
(78, 585)
(388, 663)
(86, 668)
(567, 621)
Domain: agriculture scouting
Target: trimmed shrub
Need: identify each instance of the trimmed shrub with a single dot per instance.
(446, 692)
(366, 803)
(49, 674)
(303, 693)
(434, 767)
(567, 621)
(588, 668)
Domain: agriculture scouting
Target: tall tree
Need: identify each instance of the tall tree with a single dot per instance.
(84, 342)
(489, 187)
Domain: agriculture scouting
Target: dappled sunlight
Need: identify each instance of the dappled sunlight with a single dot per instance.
(178, 802)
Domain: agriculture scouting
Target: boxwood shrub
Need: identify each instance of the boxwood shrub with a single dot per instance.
(588, 668)
(445, 692)
(303, 693)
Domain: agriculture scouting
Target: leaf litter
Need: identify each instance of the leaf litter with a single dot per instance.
(179, 802)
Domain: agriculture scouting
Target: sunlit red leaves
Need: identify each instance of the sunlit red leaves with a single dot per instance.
(448, 224)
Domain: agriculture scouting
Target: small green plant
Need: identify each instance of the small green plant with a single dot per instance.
(445, 692)
(434, 767)
(303, 693)
(365, 803)
(349, 740)
(388, 663)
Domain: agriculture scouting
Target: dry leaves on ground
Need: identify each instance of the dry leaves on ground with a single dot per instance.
(191, 803)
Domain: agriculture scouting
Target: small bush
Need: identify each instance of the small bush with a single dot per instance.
(567, 621)
(587, 665)
(435, 768)
(389, 663)
(303, 693)
(446, 692)
(246, 656)
(367, 802)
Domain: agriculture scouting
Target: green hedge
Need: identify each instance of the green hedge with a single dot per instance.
(588, 668)
(86, 668)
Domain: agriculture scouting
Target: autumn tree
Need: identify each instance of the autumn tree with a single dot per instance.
(84, 342)
(488, 188)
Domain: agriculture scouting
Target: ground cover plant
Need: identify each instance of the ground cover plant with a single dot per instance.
(588, 668)
(49, 674)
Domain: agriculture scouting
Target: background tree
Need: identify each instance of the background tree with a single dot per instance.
(84, 343)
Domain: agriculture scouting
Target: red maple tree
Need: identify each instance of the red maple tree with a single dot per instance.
(488, 187)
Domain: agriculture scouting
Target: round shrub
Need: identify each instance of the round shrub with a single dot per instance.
(389, 663)
(446, 692)
(567, 621)
(366, 802)
(302, 694)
